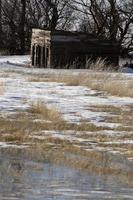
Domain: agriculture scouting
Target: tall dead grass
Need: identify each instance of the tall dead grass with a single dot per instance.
(120, 115)
(103, 82)
(47, 113)
(56, 122)
(20, 130)
(113, 83)
(99, 64)
(39, 118)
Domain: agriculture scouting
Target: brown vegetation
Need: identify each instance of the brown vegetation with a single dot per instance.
(114, 84)
(47, 113)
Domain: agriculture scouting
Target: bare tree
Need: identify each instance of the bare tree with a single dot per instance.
(1, 23)
(22, 27)
(111, 19)
(49, 14)
(10, 24)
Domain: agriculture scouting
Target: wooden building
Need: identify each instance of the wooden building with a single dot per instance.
(59, 49)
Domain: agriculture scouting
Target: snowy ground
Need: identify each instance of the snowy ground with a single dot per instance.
(75, 103)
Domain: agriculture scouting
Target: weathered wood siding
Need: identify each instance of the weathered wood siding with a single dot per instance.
(61, 48)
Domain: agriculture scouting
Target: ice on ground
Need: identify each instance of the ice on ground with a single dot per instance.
(73, 102)
(17, 60)
(127, 70)
(12, 145)
(120, 142)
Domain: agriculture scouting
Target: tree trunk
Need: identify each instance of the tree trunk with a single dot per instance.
(54, 19)
(114, 22)
(1, 42)
(22, 27)
(55, 16)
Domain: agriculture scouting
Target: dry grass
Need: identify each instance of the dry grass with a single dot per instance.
(99, 65)
(121, 115)
(61, 151)
(22, 129)
(47, 113)
(112, 83)
(17, 137)
(29, 126)
(103, 82)
(118, 88)
(68, 155)
(91, 162)
(41, 78)
(73, 156)
(106, 108)
(57, 122)
(39, 118)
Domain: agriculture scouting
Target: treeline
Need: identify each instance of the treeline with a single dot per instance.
(112, 19)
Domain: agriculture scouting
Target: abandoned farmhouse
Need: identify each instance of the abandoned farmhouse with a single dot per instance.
(56, 49)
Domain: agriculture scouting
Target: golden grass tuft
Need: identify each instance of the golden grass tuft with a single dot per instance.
(47, 113)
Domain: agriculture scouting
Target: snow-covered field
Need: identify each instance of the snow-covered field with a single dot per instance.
(76, 104)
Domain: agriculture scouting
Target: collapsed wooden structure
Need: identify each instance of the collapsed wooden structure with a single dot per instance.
(58, 49)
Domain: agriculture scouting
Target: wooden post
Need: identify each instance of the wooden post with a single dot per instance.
(41, 56)
(86, 62)
(35, 56)
(45, 56)
(49, 57)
